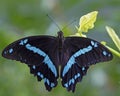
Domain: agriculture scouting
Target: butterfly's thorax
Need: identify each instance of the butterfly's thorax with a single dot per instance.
(61, 43)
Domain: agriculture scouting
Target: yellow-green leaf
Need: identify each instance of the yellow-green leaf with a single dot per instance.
(114, 36)
(87, 21)
(79, 35)
(103, 42)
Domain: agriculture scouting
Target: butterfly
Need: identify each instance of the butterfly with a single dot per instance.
(44, 54)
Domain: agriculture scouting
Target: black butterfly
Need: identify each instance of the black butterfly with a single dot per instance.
(44, 54)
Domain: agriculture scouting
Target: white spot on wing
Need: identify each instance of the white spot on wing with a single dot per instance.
(22, 42)
(72, 80)
(34, 67)
(104, 53)
(10, 50)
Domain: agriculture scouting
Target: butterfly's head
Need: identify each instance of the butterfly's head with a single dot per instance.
(60, 35)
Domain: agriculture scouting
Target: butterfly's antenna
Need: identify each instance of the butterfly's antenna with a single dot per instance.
(53, 21)
(69, 24)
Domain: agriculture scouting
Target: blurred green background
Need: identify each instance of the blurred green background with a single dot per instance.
(20, 18)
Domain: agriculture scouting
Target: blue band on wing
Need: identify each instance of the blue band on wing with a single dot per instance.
(46, 57)
(35, 50)
(41, 53)
(72, 58)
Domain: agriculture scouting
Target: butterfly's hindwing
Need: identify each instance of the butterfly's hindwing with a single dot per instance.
(80, 53)
(74, 75)
(43, 72)
(30, 51)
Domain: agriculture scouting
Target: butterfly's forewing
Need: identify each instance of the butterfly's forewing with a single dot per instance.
(39, 53)
(79, 54)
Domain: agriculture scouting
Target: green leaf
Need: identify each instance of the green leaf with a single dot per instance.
(114, 36)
